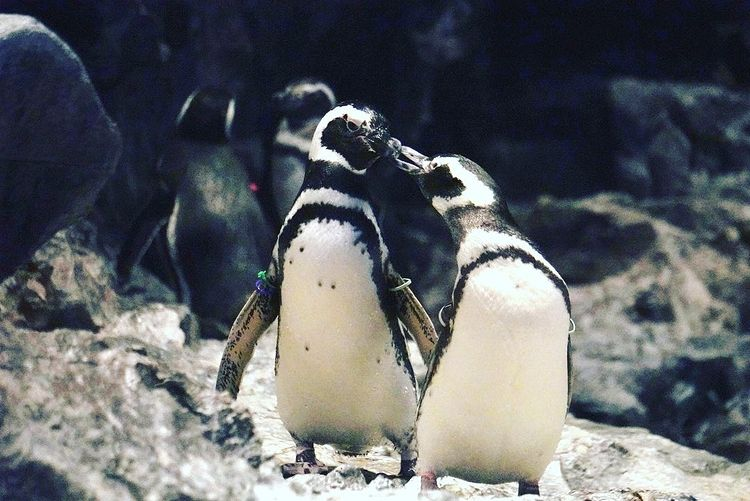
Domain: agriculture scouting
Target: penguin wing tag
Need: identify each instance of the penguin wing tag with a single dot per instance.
(259, 311)
(413, 315)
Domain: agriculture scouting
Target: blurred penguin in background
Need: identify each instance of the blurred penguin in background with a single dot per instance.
(216, 235)
(301, 105)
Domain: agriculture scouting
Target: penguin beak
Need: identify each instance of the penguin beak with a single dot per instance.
(383, 145)
(415, 164)
(394, 148)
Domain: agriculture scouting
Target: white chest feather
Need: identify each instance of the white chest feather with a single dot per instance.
(496, 403)
(337, 379)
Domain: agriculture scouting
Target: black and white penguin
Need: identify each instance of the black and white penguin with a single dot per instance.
(342, 372)
(206, 119)
(210, 231)
(302, 104)
(498, 387)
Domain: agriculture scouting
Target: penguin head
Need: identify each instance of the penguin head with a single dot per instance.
(304, 99)
(207, 116)
(451, 181)
(354, 136)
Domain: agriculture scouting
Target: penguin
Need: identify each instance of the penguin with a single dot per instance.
(498, 387)
(302, 104)
(343, 376)
(206, 118)
(205, 227)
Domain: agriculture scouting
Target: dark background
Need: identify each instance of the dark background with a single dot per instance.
(518, 86)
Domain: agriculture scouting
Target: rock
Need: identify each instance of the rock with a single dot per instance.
(588, 245)
(65, 285)
(659, 299)
(665, 131)
(634, 461)
(57, 145)
(345, 477)
(119, 414)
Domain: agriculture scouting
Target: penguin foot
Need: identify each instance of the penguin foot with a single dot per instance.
(407, 468)
(528, 488)
(302, 468)
(429, 481)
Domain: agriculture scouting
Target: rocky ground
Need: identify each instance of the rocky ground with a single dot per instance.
(106, 391)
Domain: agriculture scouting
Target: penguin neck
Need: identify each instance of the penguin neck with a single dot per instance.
(324, 174)
(465, 220)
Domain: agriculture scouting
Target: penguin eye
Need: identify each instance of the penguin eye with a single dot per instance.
(352, 125)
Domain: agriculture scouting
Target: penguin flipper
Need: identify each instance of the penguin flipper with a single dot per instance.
(147, 225)
(253, 320)
(413, 315)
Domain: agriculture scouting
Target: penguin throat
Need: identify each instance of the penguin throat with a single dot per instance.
(324, 174)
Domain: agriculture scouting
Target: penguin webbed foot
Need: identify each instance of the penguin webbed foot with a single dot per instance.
(305, 462)
(528, 488)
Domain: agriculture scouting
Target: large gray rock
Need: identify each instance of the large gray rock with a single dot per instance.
(57, 145)
(660, 298)
(103, 396)
(67, 284)
(665, 131)
(120, 414)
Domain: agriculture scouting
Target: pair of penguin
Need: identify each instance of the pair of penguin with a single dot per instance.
(497, 389)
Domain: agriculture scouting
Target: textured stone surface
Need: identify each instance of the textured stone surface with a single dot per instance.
(68, 284)
(57, 144)
(100, 394)
(665, 131)
(118, 414)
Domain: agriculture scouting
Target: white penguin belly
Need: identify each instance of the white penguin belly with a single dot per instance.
(496, 404)
(337, 379)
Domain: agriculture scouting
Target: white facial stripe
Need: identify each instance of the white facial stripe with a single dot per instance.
(230, 117)
(337, 198)
(320, 152)
(185, 107)
(475, 193)
(311, 88)
(478, 241)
